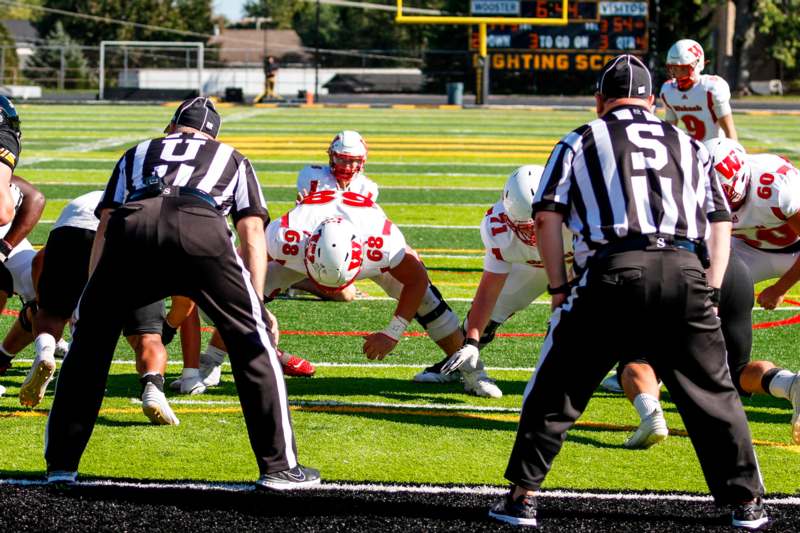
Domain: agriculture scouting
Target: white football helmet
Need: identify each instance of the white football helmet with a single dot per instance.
(333, 254)
(347, 155)
(729, 161)
(518, 196)
(685, 62)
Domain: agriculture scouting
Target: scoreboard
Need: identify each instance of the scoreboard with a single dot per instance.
(597, 31)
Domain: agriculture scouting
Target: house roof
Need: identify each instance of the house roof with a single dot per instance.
(249, 46)
(22, 31)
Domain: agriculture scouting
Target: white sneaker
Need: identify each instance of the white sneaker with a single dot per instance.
(432, 375)
(62, 476)
(210, 370)
(794, 395)
(478, 383)
(156, 408)
(62, 347)
(39, 376)
(611, 384)
(2, 390)
(652, 430)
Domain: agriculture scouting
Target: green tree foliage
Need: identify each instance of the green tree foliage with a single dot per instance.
(45, 64)
(188, 15)
(10, 60)
(780, 19)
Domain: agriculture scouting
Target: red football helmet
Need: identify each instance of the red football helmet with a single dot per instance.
(347, 155)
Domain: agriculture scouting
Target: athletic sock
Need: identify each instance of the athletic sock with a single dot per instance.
(646, 405)
(215, 354)
(190, 373)
(45, 343)
(780, 382)
(152, 377)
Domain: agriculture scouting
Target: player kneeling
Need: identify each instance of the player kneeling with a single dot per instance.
(513, 273)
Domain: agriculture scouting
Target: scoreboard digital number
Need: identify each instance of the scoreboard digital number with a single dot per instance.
(597, 31)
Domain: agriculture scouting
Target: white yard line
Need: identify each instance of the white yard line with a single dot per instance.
(356, 488)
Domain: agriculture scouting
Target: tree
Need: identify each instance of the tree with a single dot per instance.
(10, 61)
(45, 64)
(781, 21)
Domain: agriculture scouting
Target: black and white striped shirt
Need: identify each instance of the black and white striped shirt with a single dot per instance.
(189, 160)
(630, 173)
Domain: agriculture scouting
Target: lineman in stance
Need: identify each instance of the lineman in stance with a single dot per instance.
(639, 254)
(163, 231)
(702, 103)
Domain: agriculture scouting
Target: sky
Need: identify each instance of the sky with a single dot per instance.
(230, 8)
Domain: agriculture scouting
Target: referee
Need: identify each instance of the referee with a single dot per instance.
(637, 194)
(162, 232)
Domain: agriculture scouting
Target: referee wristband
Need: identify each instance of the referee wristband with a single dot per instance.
(561, 289)
(396, 328)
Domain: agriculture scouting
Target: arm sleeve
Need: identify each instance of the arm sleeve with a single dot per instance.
(248, 198)
(553, 192)
(9, 148)
(721, 94)
(116, 190)
(493, 263)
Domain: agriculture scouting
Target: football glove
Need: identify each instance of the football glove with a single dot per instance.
(466, 356)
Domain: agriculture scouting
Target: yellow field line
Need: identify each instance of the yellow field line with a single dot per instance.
(354, 409)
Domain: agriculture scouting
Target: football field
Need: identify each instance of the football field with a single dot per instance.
(359, 421)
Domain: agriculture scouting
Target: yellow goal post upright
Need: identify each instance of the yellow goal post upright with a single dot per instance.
(482, 74)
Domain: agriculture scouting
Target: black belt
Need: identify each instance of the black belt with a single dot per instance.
(172, 190)
(655, 242)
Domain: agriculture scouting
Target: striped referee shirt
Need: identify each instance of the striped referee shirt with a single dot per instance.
(627, 174)
(189, 160)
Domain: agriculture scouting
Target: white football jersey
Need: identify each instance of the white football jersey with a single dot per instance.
(16, 197)
(698, 109)
(504, 248)
(772, 197)
(319, 178)
(79, 213)
(383, 245)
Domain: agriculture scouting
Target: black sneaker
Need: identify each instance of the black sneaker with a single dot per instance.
(295, 478)
(750, 515)
(519, 512)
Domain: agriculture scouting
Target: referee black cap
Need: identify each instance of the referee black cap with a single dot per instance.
(198, 113)
(625, 76)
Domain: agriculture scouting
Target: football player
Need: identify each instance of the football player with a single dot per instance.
(763, 191)
(513, 273)
(699, 101)
(336, 237)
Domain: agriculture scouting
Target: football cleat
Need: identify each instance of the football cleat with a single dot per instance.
(294, 478)
(794, 396)
(611, 384)
(210, 370)
(433, 374)
(62, 347)
(66, 477)
(519, 512)
(39, 376)
(156, 408)
(651, 430)
(750, 515)
(478, 383)
(295, 366)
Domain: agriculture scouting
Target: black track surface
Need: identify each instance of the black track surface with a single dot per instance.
(94, 508)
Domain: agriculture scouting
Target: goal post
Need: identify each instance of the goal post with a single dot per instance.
(485, 8)
(159, 53)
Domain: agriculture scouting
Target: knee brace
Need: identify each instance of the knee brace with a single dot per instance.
(24, 319)
(488, 332)
(435, 315)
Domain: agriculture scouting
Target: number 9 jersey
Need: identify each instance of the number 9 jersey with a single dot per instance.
(698, 109)
(773, 197)
(383, 245)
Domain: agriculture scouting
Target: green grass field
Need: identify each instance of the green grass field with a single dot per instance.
(438, 170)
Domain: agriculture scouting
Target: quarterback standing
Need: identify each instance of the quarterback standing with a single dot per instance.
(699, 102)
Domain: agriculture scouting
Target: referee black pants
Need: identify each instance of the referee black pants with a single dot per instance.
(635, 304)
(156, 248)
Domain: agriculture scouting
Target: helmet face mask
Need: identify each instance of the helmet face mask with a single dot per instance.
(347, 155)
(685, 62)
(526, 231)
(333, 257)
